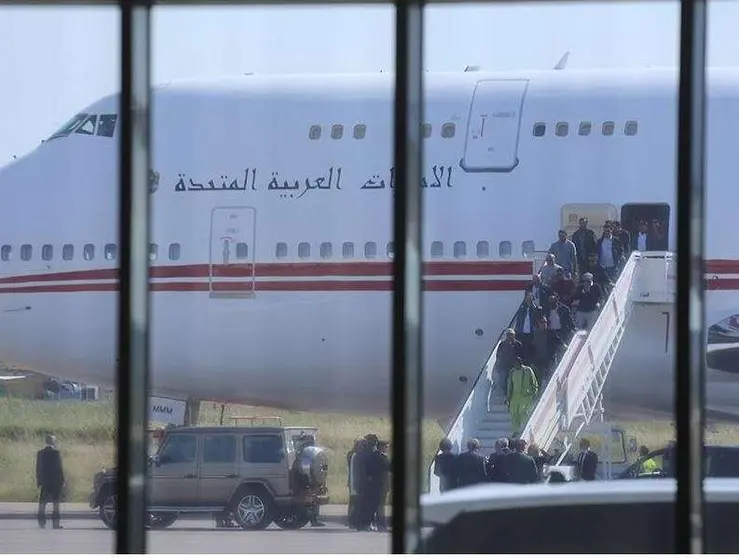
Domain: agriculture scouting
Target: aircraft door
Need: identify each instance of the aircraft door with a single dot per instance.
(596, 214)
(656, 217)
(232, 252)
(493, 126)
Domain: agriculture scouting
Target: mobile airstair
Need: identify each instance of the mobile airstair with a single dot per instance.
(573, 396)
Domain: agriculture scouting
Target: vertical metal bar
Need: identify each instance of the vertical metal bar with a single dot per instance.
(407, 301)
(690, 363)
(133, 355)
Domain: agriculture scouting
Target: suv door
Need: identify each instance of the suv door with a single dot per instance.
(218, 476)
(174, 478)
(722, 462)
(264, 458)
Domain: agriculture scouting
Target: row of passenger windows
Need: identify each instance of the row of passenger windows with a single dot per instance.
(315, 132)
(562, 129)
(110, 252)
(457, 250)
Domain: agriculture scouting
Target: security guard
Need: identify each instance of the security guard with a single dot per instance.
(302, 482)
(50, 481)
(649, 465)
(522, 390)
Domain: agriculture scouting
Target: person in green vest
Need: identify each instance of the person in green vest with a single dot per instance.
(649, 465)
(522, 390)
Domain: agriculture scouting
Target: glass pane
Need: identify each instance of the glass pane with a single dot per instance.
(534, 152)
(60, 70)
(274, 158)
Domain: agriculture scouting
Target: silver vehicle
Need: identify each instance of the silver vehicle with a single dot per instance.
(254, 475)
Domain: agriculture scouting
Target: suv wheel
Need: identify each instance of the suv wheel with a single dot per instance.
(161, 520)
(252, 509)
(108, 509)
(293, 519)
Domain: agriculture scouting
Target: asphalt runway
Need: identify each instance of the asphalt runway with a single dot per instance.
(84, 534)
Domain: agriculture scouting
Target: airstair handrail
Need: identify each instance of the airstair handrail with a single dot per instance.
(540, 429)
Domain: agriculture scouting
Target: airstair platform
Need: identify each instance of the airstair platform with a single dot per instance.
(573, 396)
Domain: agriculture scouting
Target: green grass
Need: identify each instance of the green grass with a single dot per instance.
(86, 435)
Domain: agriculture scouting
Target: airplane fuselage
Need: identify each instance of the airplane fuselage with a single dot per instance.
(272, 225)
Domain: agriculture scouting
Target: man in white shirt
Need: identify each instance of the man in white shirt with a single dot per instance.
(641, 238)
(548, 270)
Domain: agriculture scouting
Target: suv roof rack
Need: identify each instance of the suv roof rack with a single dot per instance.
(252, 420)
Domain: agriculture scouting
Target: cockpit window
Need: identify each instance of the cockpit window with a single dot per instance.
(106, 127)
(88, 126)
(70, 126)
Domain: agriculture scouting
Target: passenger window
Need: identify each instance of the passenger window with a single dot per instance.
(448, 130)
(106, 126)
(540, 129)
(390, 249)
(326, 250)
(88, 252)
(460, 249)
(242, 250)
(67, 252)
(527, 248)
(153, 251)
(561, 129)
(505, 249)
(370, 250)
(47, 252)
(483, 249)
(304, 250)
(315, 132)
(219, 448)
(88, 126)
(6, 252)
(608, 128)
(263, 449)
(427, 130)
(337, 131)
(111, 251)
(585, 129)
(26, 252)
(630, 128)
(174, 251)
(360, 130)
(281, 250)
(437, 249)
(347, 250)
(179, 448)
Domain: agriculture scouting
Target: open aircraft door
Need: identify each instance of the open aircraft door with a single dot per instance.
(232, 261)
(596, 214)
(493, 126)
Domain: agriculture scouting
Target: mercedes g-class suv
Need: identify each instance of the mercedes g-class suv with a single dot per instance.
(255, 475)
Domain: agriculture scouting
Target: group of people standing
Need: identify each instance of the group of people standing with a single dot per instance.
(513, 461)
(368, 483)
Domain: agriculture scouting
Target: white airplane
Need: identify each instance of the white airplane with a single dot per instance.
(272, 230)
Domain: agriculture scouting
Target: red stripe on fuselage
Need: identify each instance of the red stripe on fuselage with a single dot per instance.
(349, 269)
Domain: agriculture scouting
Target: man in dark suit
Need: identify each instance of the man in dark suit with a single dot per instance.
(50, 481)
(525, 322)
(587, 461)
(521, 468)
(623, 236)
(471, 465)
(584, 241)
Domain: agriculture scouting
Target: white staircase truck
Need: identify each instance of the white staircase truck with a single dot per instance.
(573, 396)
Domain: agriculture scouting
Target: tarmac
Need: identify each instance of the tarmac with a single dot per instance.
(84, 533)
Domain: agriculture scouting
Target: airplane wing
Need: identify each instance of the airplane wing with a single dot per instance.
(8, 378)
